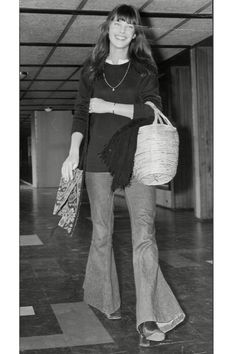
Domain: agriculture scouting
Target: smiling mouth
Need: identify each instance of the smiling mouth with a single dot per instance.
(120, 38)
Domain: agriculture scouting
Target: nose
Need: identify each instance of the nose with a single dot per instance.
(122, 28)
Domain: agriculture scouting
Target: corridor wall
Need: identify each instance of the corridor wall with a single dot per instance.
(202, 116)
(187, 90)
(50, 134)
(176, 94)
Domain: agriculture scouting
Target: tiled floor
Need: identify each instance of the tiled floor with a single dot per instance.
(53, 317)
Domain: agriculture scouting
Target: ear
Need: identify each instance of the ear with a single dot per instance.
(134, 35)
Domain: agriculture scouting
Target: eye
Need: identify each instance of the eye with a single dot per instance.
(130, 28)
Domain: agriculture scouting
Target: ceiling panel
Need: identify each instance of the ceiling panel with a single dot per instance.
(190, 33)
(63, 94)
(25, 112)
(50, 4)
(47, 28)
(31, 70)
(33, 108)
(51, 85)
(208, 10)
(76, 76)
(47, 101)
(24, 102)
(186, 38)
(51, 101)
(109, 4)
(56, 73)
(39, 94)
(24, 84)
(180, 6)
(189, 30)
(41, 27)
(167, 53)
(33, 55)
(31, 101)
(70, 85)
(69, 55)
(198, 25)
(85, 29)
(156, 27)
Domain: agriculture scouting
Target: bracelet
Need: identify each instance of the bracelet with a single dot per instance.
(113, 108)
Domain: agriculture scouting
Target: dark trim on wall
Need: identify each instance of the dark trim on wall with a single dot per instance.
(207, 42)
(86, 45)
(51, 80)
(105, 13)
(183, 58)
(50, 98)
(26, 90)
(52, 65)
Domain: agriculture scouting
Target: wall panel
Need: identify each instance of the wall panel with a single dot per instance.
(202, 114)
(181, 100)
(50, 146)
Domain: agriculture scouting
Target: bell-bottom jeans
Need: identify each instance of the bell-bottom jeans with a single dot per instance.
(154, 299)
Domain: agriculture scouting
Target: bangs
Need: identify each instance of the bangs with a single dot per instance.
(126, 13)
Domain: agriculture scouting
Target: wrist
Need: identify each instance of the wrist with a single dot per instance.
(74, 152)
(112, 107)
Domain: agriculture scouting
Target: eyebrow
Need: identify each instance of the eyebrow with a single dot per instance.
(121, 19)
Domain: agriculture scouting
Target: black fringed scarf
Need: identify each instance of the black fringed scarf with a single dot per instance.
(119, 153)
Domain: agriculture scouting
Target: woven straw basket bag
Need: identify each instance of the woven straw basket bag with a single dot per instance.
(156, 156)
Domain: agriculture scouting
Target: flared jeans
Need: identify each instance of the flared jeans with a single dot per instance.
(155, 300)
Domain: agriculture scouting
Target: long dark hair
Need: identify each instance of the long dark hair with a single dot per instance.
(139, 49)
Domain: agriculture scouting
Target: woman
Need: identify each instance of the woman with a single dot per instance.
(117, 83)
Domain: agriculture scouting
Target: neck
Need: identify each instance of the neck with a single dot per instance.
(116, 54)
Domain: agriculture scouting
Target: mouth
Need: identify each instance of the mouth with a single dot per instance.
(120, 38)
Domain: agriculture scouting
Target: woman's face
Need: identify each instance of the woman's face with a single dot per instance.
(121, 33)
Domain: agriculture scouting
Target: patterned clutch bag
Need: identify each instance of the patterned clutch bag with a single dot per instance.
(67, 203)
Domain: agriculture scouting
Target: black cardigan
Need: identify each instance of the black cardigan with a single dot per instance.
(116, 153)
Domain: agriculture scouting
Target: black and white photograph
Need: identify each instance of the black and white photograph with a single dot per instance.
(116, 186)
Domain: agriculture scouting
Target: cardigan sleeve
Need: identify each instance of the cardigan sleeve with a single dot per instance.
(148, 91)
(81, 107)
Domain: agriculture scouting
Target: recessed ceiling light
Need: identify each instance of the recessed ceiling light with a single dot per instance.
(23, 74)
(48, 109)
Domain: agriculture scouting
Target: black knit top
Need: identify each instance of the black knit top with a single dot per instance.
(136, 89)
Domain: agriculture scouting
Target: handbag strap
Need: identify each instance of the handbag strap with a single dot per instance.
(160, 118)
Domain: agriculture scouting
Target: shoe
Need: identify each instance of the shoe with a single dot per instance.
(149, 331)
(114, 316)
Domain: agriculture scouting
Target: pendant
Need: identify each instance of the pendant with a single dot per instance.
(113, 89)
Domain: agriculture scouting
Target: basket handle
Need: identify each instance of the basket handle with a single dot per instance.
(160, 118)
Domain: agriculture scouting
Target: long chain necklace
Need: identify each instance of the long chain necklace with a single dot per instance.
(115, 87)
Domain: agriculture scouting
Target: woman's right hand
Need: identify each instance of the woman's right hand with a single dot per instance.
(69, 165)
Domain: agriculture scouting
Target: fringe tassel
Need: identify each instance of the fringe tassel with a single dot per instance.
(119, 153)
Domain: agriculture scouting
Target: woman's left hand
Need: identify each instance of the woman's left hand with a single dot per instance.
(97, 105)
